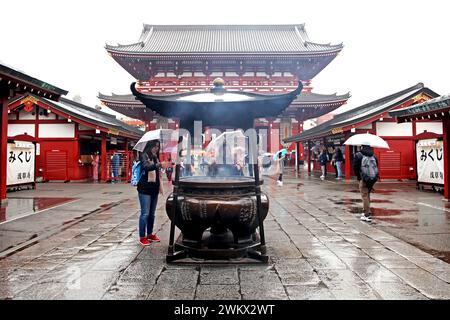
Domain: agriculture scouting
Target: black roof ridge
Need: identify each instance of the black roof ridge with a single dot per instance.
(113, 95)
(85, 107)
(175, 26)
(385, 99)
(355, 111)
(335, 94)
(15, 73)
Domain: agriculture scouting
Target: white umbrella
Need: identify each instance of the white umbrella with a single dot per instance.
(163, 135)
(227, 136)
(232, 140)
(367, 139)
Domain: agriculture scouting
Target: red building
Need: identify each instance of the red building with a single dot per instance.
(68, 134)
(437, 109)
(262, 58)
(399, 162)
(13, 83)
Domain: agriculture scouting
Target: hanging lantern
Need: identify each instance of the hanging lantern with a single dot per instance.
(28, 106)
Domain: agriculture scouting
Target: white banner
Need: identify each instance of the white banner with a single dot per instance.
(20, 157)
(430, 161)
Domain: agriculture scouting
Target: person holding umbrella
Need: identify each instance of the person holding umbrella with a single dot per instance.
(148, 187)
(279, 157)
(365, 166)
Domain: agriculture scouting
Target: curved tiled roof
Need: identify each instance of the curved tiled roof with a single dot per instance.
(307, 97)
(185, 39)
(431, 106)
(310, 97)
(8, 73)
(362, 113)
(120, 98)
(88, 114)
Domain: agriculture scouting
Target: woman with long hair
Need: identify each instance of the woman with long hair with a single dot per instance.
(148, 187)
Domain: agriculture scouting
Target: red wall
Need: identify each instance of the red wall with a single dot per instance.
(394, 163)
(71, 147)
(405, 151)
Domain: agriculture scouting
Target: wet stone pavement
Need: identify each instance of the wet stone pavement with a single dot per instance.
(318, 247)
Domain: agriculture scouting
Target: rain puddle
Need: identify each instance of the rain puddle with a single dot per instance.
(378, 191)
(379, 212)
(20, 207)
(443, 255)
(352, 201)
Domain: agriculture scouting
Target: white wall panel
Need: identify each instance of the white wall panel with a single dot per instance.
(23, 115)
(392, 129)
(435, 127)
(16, 129)
(57, 130)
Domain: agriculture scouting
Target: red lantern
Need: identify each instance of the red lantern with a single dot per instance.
(28, 106)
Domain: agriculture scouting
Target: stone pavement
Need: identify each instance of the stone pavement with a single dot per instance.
(318, 247)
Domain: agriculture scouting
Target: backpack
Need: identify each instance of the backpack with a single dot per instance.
(369, 170)
(136, 173)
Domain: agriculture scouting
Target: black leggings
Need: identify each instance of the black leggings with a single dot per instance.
(280, 178)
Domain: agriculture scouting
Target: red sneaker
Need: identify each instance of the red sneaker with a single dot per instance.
(153, 237)
(144, 241)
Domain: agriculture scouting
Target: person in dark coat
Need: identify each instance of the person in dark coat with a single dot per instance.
(338, 159)
(323, 159)
(148, 187)
(363, 187)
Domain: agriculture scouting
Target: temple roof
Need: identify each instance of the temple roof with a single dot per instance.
(362, 113)
(29, 84)
(218, 107)
(433, 106)
(317, 98)
(87, 114)
(304, 98)
(216, 39)
(322, 104)
(120, 98)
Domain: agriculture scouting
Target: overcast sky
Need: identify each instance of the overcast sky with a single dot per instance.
(388, 45)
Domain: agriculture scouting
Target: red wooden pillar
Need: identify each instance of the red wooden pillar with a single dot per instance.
(3, 146)
(103, 158)
(446, 131)
(347, 163)
(309, 158)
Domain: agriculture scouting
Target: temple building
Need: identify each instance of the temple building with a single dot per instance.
(13, 83)
(68, 136)
(399, 162)
(270, 59)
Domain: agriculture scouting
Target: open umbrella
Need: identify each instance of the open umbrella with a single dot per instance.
(163, 135)
(367, 139)
(227, 136)
(281, 152)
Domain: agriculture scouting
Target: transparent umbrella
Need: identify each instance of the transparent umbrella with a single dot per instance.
(367, 139)
(165, 136)
(233, 141)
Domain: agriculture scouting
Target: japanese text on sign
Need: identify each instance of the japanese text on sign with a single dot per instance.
(430, 161)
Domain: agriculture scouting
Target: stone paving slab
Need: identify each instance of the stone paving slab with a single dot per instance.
(318, 250)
